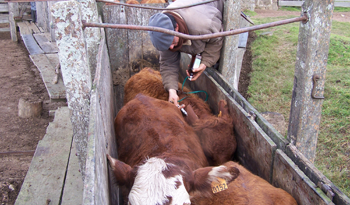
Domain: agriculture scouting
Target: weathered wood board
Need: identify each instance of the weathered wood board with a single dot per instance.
(74, 185)
(32, 26)
(44, 43)
(98, 189)
(4, 8)
(340, 3)
(287, 175)
(4, 18)
(46, 65)
(316, 176)
(129, 50)
(45, 178)
(248, 134)
(31, 45)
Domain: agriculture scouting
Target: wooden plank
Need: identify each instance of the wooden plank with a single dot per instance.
(118, 49)
(4, 18)
(299, 3)
(249, 135)
(23, 28)
(99, 187)
(44, 180)
(46, 65)
(31, 45)
(4, 8)
(288, 176)
(32, 27)
(150, 55)
(45, 44)
(290, 3)
(5, 29)
(316, 176)
(134, 17)
(342, 4)
(74, 185)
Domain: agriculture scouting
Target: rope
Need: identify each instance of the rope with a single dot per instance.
(198, 91)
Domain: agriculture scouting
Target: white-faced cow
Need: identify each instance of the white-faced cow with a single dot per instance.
(160, 158)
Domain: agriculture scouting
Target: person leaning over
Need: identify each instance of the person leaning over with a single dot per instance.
(196, 20)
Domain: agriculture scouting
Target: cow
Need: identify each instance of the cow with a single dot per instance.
(160, 159)
(153, 2)
(247, 189)
(216, 133)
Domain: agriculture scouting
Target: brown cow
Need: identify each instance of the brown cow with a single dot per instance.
(153, 2)
(160, 157)
(215, 132)
(247, 189)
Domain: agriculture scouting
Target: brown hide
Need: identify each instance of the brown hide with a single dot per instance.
(147, 127)
(153, 2)
(151, 127)
(132, 2)
(247, 189)
(215, 133)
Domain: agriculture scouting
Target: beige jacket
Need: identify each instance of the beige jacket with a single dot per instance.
(202, 19)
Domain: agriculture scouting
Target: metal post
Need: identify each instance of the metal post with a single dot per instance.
(75, 70)
(228, 60)
(309, 78)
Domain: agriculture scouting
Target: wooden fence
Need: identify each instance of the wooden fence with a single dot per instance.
(23, 13)
(337, 3)
(4, 15)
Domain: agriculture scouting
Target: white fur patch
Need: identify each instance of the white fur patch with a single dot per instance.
(151, 187)
(220, 171)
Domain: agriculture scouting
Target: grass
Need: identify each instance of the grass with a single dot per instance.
(292, 8)
(274, 57)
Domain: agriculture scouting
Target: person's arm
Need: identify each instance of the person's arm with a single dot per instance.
(169, 69)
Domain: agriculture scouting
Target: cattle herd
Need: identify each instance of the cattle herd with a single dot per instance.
(165, 157)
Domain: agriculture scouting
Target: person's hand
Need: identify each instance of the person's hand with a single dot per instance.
(173, 97)
(197, 71)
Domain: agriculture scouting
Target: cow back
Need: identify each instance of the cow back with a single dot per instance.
(147, 127)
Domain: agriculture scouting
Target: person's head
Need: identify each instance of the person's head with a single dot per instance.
(163, 41)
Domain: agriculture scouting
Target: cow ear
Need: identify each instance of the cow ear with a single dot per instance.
(223, 108)
(191, 117)
(122, 171)
(206, 179)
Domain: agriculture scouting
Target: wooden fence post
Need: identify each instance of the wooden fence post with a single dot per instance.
(13, 11)
(93, 35)
(309, 77)
(228, 61)
(75, 70)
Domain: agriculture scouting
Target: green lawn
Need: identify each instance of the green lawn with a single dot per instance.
(274, 57)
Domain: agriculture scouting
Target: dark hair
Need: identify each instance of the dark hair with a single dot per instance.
(172, 19)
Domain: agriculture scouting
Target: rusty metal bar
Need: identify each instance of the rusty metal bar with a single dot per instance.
(155, 8)
(18, 1)
(303, 18)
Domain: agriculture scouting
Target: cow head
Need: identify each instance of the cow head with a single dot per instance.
(160, 181)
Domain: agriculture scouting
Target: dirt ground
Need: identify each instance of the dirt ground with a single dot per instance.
(19, 78)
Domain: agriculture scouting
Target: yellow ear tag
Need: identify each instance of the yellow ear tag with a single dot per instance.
(220, 185)
(220, 114)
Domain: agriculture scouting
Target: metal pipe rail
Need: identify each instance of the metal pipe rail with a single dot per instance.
(303, 18)
(154, 8)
